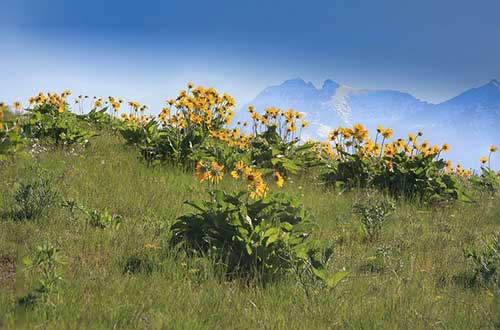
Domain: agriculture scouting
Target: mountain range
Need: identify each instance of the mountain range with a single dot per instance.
(470, 122)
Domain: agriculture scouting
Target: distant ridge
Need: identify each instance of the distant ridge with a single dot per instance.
(468, 120)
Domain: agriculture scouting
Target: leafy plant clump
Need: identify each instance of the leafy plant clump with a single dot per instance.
(95, 218)
(47, 263)
(183, 127)
(486, 261)
(404, 168)
(374, 213)
(35, 197)
(10, 137)
(263, 238)
(488, 180)
(49, 122)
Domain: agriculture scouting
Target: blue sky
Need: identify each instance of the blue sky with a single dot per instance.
(147, 50)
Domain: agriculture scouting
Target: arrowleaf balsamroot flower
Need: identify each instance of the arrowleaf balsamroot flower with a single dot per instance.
(16, 106)
(239, 170)
(216, 172)
(202, 171)
(256, 184)
(278, 179)
(387, 134)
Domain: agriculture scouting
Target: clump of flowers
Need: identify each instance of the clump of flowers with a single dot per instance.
(213, 172)
(288, 124)
(493, 149)
(488, 179)
(404, 167)
(54, 99)
(251, 233)
(47, 118)
(356, 140)
(232, 137)
(195, 122)
(198, 107)
(254, 179)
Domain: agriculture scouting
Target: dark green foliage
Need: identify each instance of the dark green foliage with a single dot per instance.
(46, 262)
(270, 150)
(263, 238)
(486, 261)
(35, 197)
(103, 219)
(46, 123)
(99, 118)
(138, 264)
(95, 218)
(167, 144)
(10, 140)
(374, 213)
(176, 145)
(488, 180)
(353, 171)
(419, 177)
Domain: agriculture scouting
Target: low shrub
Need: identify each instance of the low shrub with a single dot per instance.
(488, 180)
(11, 141)
(485, 261)
(95, 218)
(262, 238)
(374, 213)
(35, 197)
(50, 122)
(404, 168)
(46, 262)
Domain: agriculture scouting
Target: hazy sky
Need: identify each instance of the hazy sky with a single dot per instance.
(147, 50)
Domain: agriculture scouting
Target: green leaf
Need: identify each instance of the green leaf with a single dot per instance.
(197, 204)
(334, 280)
(249, 249)
(272, 239)
(271, 231)
(322, 274)
(27, 261)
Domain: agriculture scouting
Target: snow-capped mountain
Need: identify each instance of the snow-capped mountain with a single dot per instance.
(469, 121)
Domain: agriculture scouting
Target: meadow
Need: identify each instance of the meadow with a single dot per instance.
(353, 233)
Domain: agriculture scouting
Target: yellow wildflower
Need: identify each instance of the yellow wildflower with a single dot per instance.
(278, 179)
(215, 173)
(202, 171)
(239, 170)
(387, 134)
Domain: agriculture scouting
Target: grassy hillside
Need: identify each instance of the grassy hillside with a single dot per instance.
(414, 275)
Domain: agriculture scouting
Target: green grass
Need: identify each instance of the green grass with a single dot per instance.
(421, 282)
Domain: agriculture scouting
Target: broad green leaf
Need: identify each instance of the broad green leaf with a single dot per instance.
(334, 280)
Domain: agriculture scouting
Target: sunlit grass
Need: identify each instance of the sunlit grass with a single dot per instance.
(419, 283)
